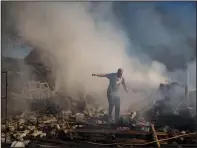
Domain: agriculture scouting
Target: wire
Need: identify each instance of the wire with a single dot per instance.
(123, 143)
(166, 139)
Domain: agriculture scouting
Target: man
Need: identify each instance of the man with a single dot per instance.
(113, 94)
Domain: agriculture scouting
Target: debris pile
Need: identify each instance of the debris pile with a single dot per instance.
(90, 126)
(65, 120)
(172, 110)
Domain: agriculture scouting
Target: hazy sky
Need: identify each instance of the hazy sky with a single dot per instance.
(143, 32)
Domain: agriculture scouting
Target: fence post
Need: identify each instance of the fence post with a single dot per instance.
(5, 97)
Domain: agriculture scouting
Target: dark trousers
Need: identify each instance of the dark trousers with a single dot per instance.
(114, 101)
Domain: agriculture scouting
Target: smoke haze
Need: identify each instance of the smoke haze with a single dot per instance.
(86, 38)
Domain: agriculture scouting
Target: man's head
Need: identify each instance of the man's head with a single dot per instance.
(120, 72)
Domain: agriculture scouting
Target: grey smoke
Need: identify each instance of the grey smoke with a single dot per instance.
(166, 34)
(86, 38)
(161, 30)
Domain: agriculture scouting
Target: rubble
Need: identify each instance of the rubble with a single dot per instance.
(17, 144)
(52, 122)
(79, 126)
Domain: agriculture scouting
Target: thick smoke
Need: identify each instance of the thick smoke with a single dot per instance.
(161, 29)
(83, 41)
(86, 38)
(164, 31)
(185, 77)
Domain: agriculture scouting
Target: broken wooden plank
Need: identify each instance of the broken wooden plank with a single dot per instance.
(155, 135)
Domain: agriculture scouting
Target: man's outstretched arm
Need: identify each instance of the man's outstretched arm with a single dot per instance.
(100, 75)
(124, 85)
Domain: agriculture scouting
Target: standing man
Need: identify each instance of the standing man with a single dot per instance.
(113, 94)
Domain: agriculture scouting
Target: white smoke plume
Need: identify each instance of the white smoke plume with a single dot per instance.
(86, 38)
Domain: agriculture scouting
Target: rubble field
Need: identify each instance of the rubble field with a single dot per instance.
(54, 120)
(57, 127)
